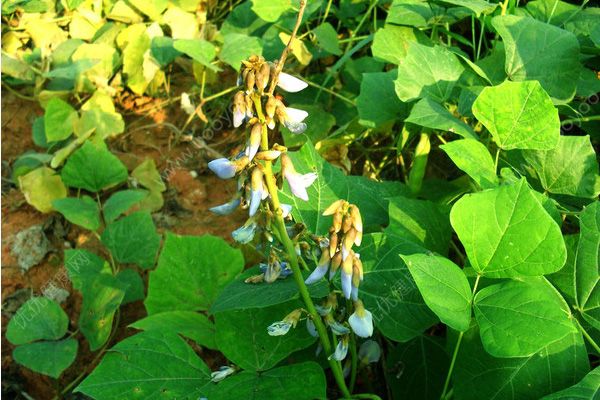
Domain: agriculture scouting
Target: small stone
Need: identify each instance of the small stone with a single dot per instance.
(30, 247)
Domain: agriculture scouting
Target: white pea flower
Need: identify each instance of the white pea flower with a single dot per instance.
(298, 183)
(245, 233)
(257, 191)
(311, 328)
(286, 209)
(361, 321)
(369, 352)
(279, 328)
(254, 141)
(227, 208)
(321, 269)
(222, 373)
(341, 350)
(290, 83)
(186, 104)
(291, 118)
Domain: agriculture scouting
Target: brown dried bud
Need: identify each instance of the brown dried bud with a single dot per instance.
(270, 106)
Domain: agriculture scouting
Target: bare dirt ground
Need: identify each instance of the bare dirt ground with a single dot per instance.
(190, 192)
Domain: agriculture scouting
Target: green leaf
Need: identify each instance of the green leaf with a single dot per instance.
(571, 168)
(239, 295)
(417, 13)
(424, 379)
(93, 169)
(41, 187)
(82, 211)
(392, 42)
(138, 42)
(586, 389)
(278, 383)
(444, 288)
(199, 50)
(106, 124)
(564, 279)
(102, 295)
(39, 318)
(388, 289)
(587, 277)
(238, 47)
(255, 350)
(433, 115)
(506, 232)
(120, 202)
(509, 312)
(539, 51)
(420, 221)
(191, 272)
(190, 324)
(152, 9)
(150, 364)
(331, 184)
(519, 115)
(427, 72)
(481, 376)
(134, 285)
(377, 102)
(163, 51)
(48, 358)
(270, 10)
(327, 38)
(133, 239)
(59, 119)
(472, 157)
(477, 6)
(83, 266)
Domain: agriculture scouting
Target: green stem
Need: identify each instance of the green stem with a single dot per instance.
(497, 159)
(291, 253)
(362, 21)
(587, 336)
(582, 119)
(331, 92)
(366, 396)
(456, 348)
(354, 356)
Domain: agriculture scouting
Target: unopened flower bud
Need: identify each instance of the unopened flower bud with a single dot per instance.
(250, 81)
(333, 243)
(356, 218)
(337, 221)
(336, 205)
(269, 155)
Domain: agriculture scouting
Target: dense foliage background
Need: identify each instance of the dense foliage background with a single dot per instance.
(466, 132)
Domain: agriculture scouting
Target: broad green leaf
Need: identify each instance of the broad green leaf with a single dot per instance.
(571, 168)
(427, 72)
(83, 266)
(104, 59)
(238, 47)
(539, 51)
(481, 376)
(134, 285)
(392, 42)
(190, 324)
(152, 9)
(327, 38)
(148, 176)
(444, 288)
(242, 336)
(318, 124)
(81, 211)
(93, 168)
(163, 51)
(506, 232)
(48, 358)
(519, 115)
(586, 389)
(39, 318)
(305, 381)
(431, 114)
(388, 290)
(477, 6)
(472, 157)
(270, 10)
(587, 266)
(377, 102)
(424, 379)
(191, 272)
(151, 364)
(133, 239)
(371, 197)
(102, 295)
(41, 187)
(553, 12)
(417, 13)
(564, 279)
(420, 221)
(105, 124)
(121, 202)
(239, 295)
(199, 50)
(509, 313)
(59, 119)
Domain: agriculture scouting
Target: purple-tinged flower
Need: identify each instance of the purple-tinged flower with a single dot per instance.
(254, 141)
(321, 269)
(222, 373)
(245, 233)
(337, 328)
(298, 183)
(286, 209)
(275, 270)
(346, 277)
(227, 208)
(257, 191)
(239, 109)
(311, 328)
(225, 168)
(279, 328)
(290, 83)
(341, 350)
(291, 118)
(361, 321)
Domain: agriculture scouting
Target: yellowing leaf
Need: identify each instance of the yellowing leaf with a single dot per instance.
(41, 187)
(298, 48)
